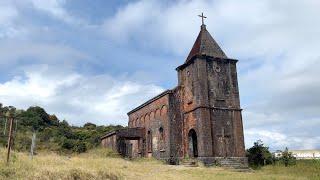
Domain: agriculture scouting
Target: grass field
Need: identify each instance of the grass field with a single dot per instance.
(101, 164)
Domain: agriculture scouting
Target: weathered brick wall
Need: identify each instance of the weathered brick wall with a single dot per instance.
(153, 117)
(175, 126)
(210, 105)
(196, 115)
(223, 141)
(238, 134)
(110, 142)
(222, 83)
(226, 117)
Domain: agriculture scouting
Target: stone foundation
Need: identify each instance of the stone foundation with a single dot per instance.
(234, 162)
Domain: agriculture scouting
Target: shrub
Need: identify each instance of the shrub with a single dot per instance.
(259, 155)
(287, 158)
(80, 147)
(67, 144)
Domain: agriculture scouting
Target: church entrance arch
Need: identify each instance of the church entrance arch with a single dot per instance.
(193, 143)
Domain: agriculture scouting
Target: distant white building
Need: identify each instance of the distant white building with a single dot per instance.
(301, 154)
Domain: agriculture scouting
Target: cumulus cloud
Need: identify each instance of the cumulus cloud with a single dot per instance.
(156, 25)
(100, 99)
(279, 140)
(55, 8)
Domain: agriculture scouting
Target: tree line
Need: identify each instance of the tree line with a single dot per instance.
(52, 134)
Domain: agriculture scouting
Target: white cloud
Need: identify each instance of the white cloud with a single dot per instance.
(78, 98)
(56, 9)
(254, 119)
(52, 6)
(278, 141)
(13, 24)
(35, 52)
(248, 28)
(152, 23)
(8, 13)
(9, 9)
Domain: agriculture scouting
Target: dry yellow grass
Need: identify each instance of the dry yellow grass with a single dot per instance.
(99, 164)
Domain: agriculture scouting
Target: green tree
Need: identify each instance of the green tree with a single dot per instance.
(31, 120)
(90, 126)
(259, 154)
(45, 120)
(65, 130)
(287, 158)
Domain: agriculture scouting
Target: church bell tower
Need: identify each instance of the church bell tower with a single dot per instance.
(210, 107)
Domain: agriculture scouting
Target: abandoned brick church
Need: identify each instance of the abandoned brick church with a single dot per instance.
(200, 118)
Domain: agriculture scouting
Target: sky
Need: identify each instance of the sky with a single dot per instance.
(93, 61)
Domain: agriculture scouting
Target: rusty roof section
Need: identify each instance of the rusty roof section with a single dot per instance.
(111, 133)
(129, 133)
(205, 45)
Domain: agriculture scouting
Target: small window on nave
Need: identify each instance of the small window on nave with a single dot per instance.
(149, 141)
(161, 139)
(161, 133)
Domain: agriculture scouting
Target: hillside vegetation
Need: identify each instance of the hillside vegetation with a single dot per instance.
(103, 164)
(52, 134)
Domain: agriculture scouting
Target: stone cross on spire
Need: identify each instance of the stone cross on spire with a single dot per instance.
(202, 17)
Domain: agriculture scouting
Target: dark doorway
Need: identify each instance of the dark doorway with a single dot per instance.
(193, 144)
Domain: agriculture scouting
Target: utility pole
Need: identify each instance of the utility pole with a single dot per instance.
(33, 144)
(5, 126)
(11, 119)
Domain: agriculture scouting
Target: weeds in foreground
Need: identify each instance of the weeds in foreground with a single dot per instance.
(104, 164)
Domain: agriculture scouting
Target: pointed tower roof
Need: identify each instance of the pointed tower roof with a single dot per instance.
(205, 45)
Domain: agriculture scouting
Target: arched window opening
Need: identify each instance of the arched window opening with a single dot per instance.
(149, 140)
(161, 132)
(161, 139)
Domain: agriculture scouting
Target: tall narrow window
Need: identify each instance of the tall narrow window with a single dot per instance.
(149, 140)
(161, 138)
